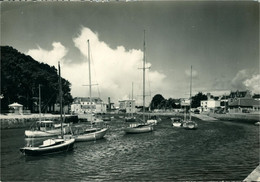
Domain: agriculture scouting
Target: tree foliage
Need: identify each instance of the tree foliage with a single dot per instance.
(20, 79)
(159, 102)
(156, 101)
(197, 98)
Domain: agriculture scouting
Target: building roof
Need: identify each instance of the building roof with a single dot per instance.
(240, 94)
(77, 100)
(15, 104)
(249, 102)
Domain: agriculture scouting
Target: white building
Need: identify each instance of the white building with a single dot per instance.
(83, 105)
(127, 106)
(210, 103)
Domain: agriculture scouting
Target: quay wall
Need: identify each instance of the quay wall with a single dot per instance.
(240, 117)
(25, 121)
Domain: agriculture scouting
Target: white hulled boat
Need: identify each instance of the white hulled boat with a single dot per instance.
(43, 128)
(176, 122)
(141, 127)
(189, 124)
(90, 134)
(46, 129)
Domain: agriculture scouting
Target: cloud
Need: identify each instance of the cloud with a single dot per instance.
(246, 80)
(113, 70)
(237, 81)
(253, 83)
(50, 57)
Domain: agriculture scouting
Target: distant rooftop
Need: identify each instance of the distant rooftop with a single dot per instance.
(77, 100)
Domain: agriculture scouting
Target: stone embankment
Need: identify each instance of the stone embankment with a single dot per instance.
(240, 117)
(21, 121)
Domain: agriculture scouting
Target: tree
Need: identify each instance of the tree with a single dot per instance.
(197, 98)
(20, 79)
(156, 101)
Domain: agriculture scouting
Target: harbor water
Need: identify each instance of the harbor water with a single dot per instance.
(217, 150)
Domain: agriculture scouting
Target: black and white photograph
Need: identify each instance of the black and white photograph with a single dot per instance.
(129, 90)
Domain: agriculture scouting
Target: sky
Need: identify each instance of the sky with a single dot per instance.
(219, 39)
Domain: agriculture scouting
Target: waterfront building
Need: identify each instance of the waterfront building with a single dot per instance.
(233, 96)
(83, 105)
(210, 104)
(127, 106)
(244, 105)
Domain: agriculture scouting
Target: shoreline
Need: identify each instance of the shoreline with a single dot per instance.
(23, 121)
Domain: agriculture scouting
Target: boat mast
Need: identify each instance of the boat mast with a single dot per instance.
(190, 89)
(144, 80)
(61, 107)
(132, 101)
(90, 98)
(40, 102)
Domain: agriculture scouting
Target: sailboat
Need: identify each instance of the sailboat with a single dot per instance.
(131, 118)
(141, 127)
(43, 128)
(55, 145)
(189, 124)
(176, 122)
(88, 134)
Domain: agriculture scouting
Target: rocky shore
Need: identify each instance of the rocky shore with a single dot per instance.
(23, 121)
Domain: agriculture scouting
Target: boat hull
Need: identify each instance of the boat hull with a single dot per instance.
(91, 136)
(66, 146)
(152, 121)
(190, 125)
(139, 129)
(130, 119)
(176, 124)
(48, 133)
(35, 134)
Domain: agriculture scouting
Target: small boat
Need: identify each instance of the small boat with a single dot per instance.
(136, 128)
(176, 122)
(50, 146)
(257, 123)
(46, 129)
(190, 125)
(121, 117)
(130, 119)
(152, 121)
(106, 118)
(89, 134)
